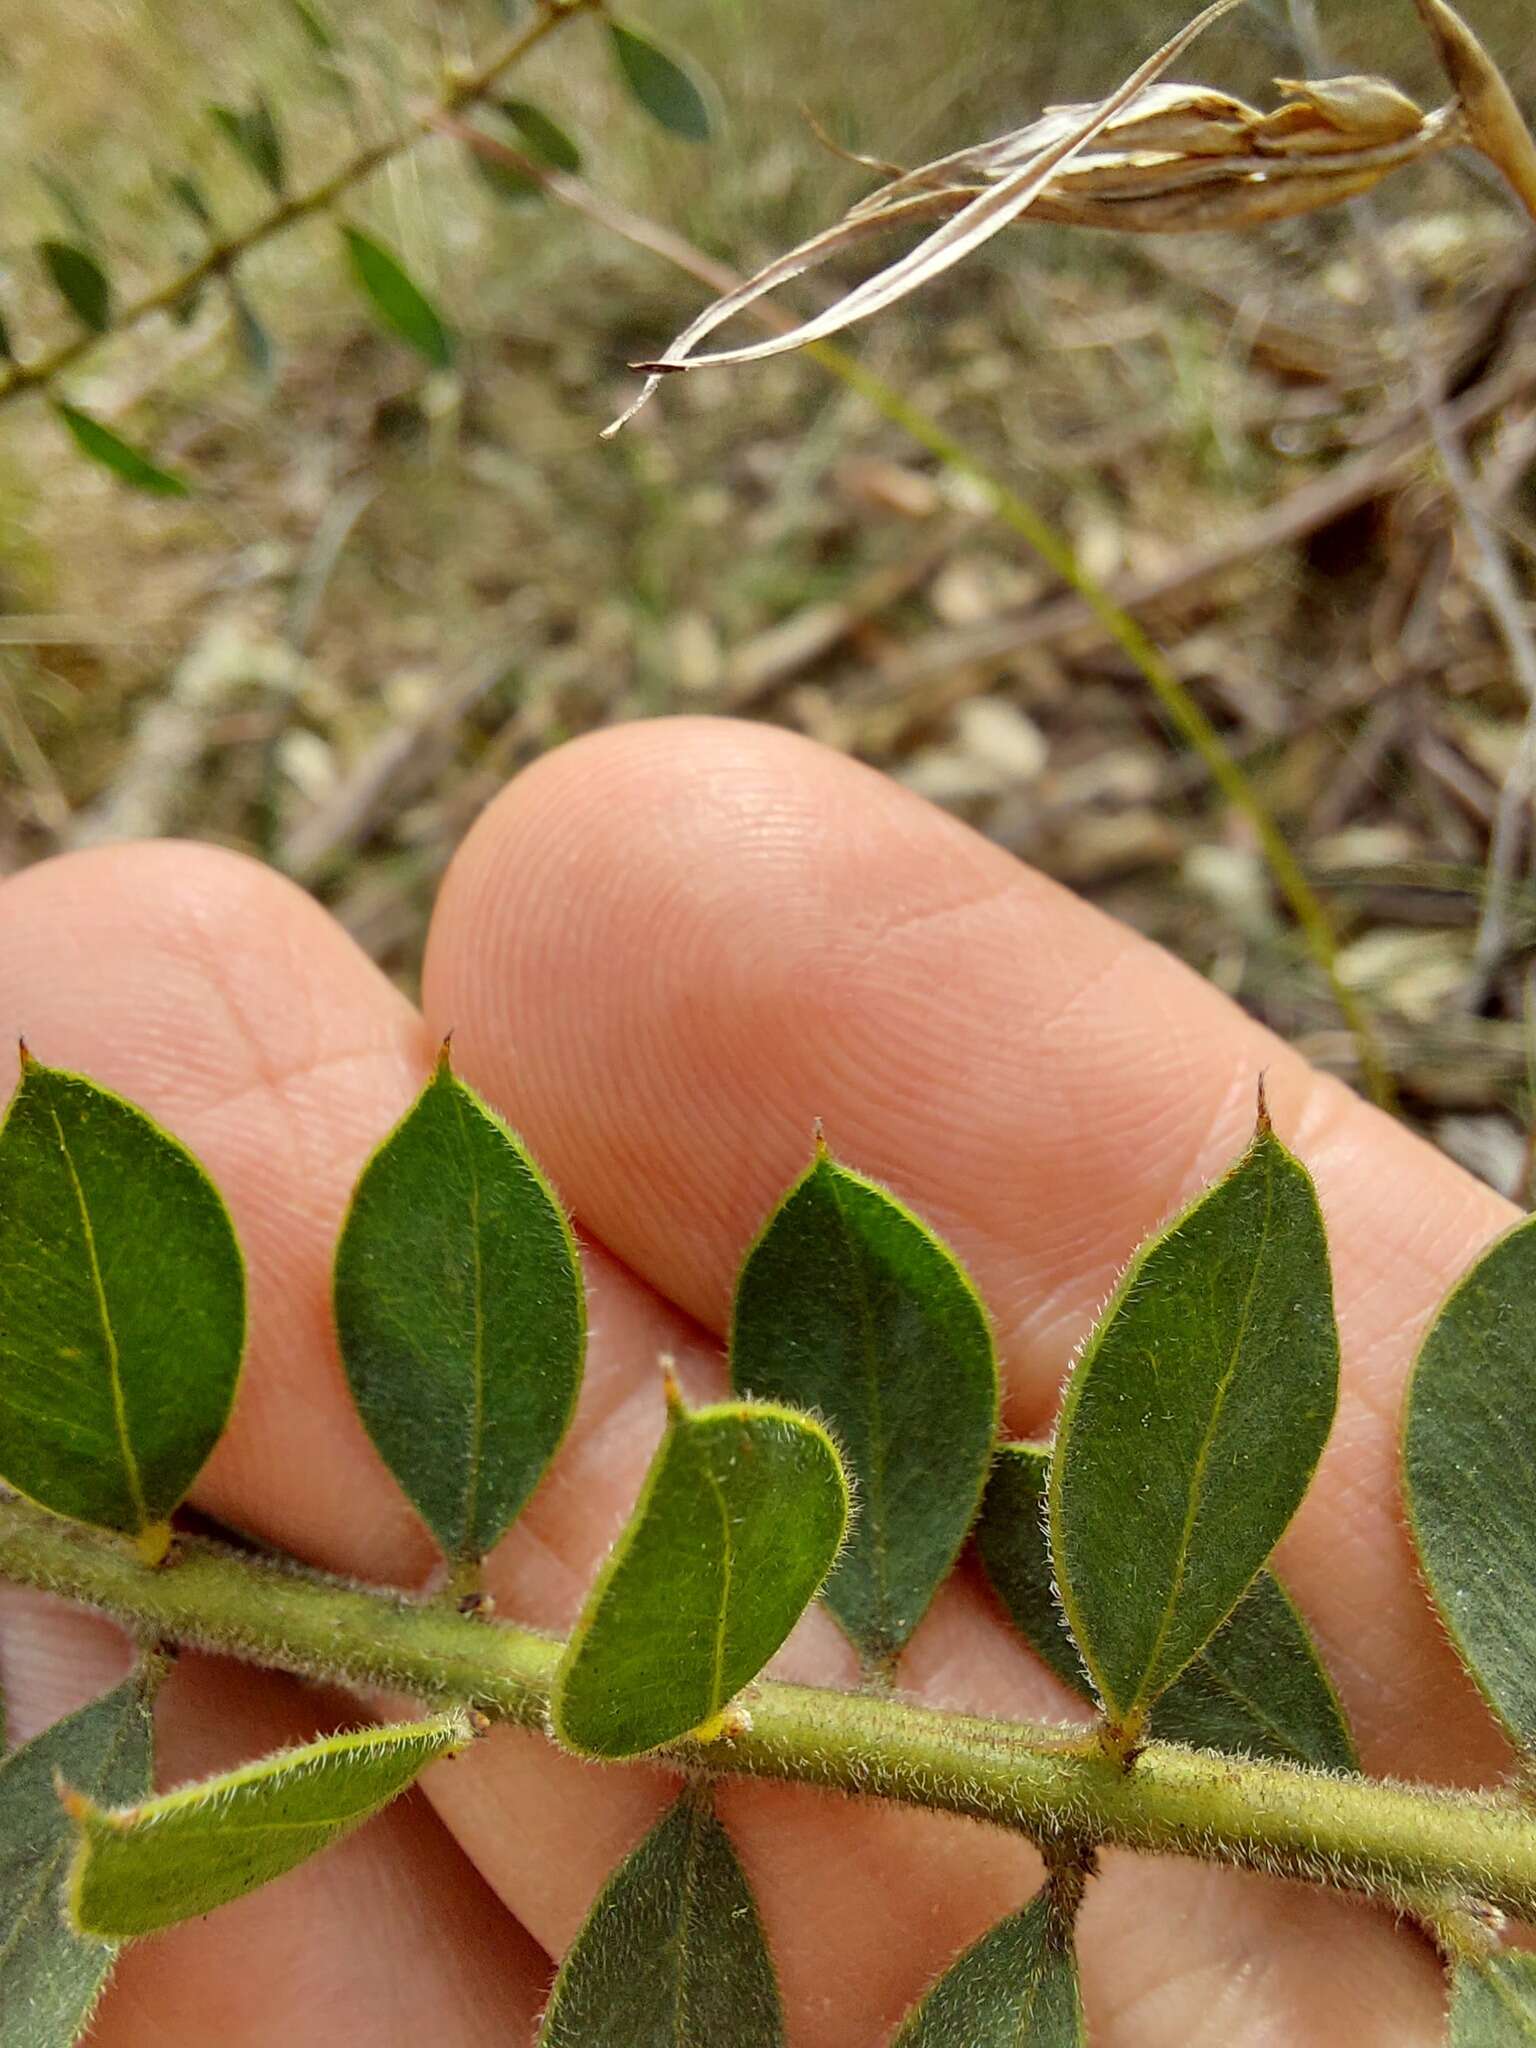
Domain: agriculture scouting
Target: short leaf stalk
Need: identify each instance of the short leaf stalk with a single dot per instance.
(1406, 1845)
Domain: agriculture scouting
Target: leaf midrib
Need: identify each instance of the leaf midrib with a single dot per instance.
(475, 1450)
(873, 1508)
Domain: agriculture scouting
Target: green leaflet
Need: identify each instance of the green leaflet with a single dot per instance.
(1258, 1687)
(49, 1977)
(1493, 2003)
(1193, 1424)
(143, 1867)
(1468, 1454)
(253, 133)
(735, 1530)
(7, 346)
(129, 464)
(190, 197)
(672, 1954)
(848, 1306)
(461, 1314)
(258, 351)
(80, 282)
(661, 85)
(122, 1308)
(1017, 1988)
(398, 299)
(542, 137)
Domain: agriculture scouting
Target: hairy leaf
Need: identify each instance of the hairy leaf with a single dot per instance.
(142, 1867)
(1493, 2003)
(122, 1308)
(1192, 1426)
(542, 137)
(254, 135)
(1468, 1453)
(672, 1954)
(1017, 1988)
(80, 282)
(129, 464)
(1258, 1687)
(847, 1305)
(398, 299)
(661, 85)
(733, 1535)
(461, 1315)
(50, 1978)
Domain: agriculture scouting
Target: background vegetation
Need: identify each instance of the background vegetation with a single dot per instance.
(390, 591)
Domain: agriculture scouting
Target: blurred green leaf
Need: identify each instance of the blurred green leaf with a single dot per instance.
(1469, 1451)
(398, 299)
(1493, 2003)
(190, 197)
(49, 1977)
(661, 85)
(543, 138)
(313, 28)
(1258, 1687)
(184, 310)
(672, 1954)
(143, 1867)
(80, 282)
(122, 1308)
(735, 1530)
(848, 1306)
(504, 181)
(1017, 1988)
(67, 197)
(253, 133)
(1192, 1426)
(258, 351)
(7, 347)
(461, 1314)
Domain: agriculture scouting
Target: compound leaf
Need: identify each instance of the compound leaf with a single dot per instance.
(672, 1954)
(735, 1530)
(1493, 2003)
(80, 282)
(850, 1307)
(50, 1978)
(397, 299)
(143, 1867)
(542, 137)
(661, 85)
(122, 1308)
(128, 464)
(1468, 1453)
(1017, 1988)
(253, 133)
(460, 1313)
(1192, 1426)
(1258, 1688)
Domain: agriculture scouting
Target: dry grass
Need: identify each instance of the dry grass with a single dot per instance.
(376, 609)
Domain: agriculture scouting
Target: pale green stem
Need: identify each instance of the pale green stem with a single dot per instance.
(1409, 1846)
(220, 256)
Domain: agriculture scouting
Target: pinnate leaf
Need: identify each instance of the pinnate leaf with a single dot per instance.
(142, 1867)
(735, 1530)
(672, 1954)
(397, 299)
(80, 282)
(254, 134)
(122, 1308)
(1192, 1426)
(660, 84)
(1493, 2003)
(1258, 1687)
(1468, 1453)
(128, 464)
(850, 1307)
(461, 1315)
(51, 1977)
(1017, 1988)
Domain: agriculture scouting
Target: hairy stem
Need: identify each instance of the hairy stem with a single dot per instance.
(1389, 1841)
(220, 256)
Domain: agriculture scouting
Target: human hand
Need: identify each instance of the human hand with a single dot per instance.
(664, 953)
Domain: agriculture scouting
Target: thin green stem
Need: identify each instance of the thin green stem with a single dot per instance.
(1395, 1842)
(221, 255)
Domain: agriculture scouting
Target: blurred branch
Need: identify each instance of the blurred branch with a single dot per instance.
(1175, 700)
(463, 93)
